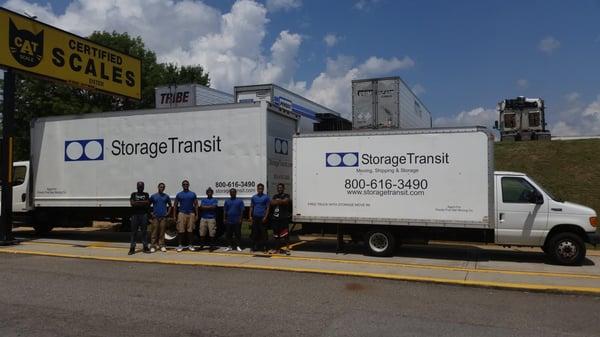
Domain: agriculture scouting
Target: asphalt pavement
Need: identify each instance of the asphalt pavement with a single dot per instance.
(49, 296)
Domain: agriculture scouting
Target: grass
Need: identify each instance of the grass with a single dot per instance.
(569, 169)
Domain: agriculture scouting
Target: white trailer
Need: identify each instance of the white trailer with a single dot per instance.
(387, 103)
(85, 167)
(397, 186)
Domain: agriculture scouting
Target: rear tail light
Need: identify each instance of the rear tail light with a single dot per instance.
(594, 221)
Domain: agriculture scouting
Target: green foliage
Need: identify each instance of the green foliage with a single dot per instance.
(39, 98)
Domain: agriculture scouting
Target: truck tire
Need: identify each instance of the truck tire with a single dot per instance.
(566, 249)
(380, 243)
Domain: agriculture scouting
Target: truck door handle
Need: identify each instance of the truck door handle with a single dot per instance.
(556, 209)
(501, 216)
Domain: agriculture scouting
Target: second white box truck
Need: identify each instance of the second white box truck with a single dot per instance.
(394, 186)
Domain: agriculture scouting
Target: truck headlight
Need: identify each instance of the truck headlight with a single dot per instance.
(594, 221)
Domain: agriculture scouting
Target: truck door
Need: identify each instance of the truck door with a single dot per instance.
(20, 186)
(522, 211)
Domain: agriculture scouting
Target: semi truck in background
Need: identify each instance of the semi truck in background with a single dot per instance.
(522, 118)
(389, 187)
(387, 103)
(186, 95)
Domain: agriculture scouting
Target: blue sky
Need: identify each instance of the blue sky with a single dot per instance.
(462, 57)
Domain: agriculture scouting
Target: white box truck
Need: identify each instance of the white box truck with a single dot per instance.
(85, 167)
(388, 187)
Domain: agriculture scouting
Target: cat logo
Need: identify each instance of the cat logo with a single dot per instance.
(26, 47)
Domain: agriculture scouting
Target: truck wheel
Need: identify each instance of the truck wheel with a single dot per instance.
(380, 243)
(566, 249)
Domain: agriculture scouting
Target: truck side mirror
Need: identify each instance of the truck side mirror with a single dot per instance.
(536, 198)
(496, 125)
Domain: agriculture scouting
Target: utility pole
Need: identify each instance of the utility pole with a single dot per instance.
(6, 171)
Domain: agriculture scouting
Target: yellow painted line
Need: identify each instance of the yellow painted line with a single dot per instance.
(296, 244)
(489, 284)
(380, 263)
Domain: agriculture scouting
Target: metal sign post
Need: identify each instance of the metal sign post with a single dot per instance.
(6, 171)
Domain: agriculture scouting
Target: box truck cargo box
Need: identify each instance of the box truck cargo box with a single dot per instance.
(94, 160)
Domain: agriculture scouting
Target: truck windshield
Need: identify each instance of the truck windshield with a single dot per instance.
(550, 195)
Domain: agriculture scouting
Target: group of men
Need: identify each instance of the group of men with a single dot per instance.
(157, 209)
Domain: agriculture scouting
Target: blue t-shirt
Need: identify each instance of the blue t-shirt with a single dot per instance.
(159, 204)
(210, 213)
(186, 201)
(234, 208)
(259, 204)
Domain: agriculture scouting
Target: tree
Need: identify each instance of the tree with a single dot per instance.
(40, 98)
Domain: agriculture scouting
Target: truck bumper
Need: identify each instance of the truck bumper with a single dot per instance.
(593, 238)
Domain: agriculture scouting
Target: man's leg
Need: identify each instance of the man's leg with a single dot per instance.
(144, 230)
(212, 232)
(203, 231)
(237, 231)
(134, 228)
(180, 231)
(161, 223)
(190, 231)
(155, 230)
(229, 235)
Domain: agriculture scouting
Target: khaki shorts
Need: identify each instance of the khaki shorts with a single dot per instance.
(185, 222)
(208, 225)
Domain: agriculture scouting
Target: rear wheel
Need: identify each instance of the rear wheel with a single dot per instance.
(380, 243)
(566, 249)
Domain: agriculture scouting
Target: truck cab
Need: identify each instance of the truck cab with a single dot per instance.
(20, 185)
(528, 215)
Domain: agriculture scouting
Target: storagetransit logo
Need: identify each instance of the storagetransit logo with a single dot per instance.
(84, 149)
(281, 146)
(341, 159)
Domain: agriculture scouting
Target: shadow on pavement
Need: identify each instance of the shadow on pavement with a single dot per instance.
(434, 251)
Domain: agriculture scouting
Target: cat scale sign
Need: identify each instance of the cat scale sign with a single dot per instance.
(30, 46)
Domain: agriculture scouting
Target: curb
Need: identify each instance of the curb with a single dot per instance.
(482, 284)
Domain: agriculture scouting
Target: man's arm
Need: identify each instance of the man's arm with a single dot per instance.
(175, 208)
(196, 207)
(267, 211)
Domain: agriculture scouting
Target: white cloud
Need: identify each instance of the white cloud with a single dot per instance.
(548, 44)
(332, 88)
(577, 118)
(365, 5)
(285, 5)
(479, 116)
(522, 83)
(330, 39)
(418, 89)
(572, 96)
(230, 46)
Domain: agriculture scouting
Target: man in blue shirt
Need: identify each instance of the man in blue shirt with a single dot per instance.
(259, 213)
(161, 208)
(208, 219)
(233, 211)
(186, 212)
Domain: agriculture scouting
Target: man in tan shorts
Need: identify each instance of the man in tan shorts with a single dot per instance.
(208, 219)
(186, 213)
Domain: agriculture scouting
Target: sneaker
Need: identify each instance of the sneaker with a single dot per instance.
(131, 251)
(152, 250)
(146, 250)
(228, 249)
(163, 249)
(238, 249)
(191, 248)
(179, 248)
